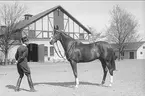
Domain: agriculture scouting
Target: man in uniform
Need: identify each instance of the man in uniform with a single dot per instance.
(22, 66)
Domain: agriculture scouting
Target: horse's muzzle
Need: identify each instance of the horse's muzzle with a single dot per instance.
(51, 42)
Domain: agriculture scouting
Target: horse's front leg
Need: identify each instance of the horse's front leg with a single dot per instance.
(74, 68)
(105, 70)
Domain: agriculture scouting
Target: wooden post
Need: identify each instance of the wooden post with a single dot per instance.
(68, 24)
(42, 29)
(35, 29)
(48, 25)
(73, 29)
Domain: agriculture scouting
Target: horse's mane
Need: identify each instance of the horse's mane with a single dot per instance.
(70, 37)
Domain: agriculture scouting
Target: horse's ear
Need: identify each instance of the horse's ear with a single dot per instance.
(56, 27)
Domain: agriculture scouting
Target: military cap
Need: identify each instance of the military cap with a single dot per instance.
(24, 39)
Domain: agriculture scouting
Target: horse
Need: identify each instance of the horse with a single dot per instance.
(77, 52)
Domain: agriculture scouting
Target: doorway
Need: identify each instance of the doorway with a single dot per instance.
(131, 54)
(32, 52)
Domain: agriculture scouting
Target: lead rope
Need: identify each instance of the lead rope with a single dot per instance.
(60, 51)
(60, 55)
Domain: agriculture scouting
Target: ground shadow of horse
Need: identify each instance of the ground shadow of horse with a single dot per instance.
(69, 84)
(14, 87)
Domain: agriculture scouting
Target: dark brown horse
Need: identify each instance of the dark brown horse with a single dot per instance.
(77, 52)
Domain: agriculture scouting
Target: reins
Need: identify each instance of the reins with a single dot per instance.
(60, 54)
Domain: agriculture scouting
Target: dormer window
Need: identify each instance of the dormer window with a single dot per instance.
(28, 16)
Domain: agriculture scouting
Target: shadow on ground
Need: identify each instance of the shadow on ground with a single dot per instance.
(68, 84)
(14, 87)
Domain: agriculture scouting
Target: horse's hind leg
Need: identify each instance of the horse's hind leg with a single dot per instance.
(74, 68)
(111, 72)
(105, 70)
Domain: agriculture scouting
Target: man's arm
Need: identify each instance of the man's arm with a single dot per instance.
(25, 53)
(16, 55)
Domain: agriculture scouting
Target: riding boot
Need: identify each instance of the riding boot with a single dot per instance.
(18, 85)
(30, 84)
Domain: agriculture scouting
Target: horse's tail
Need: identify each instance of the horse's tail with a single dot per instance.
(113, 61)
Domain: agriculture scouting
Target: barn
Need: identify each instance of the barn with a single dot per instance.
(39, 29)
(133, 50)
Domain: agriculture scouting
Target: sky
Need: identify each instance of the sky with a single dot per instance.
(95, 14)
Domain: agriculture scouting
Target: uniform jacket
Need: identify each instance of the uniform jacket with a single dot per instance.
(21, 55)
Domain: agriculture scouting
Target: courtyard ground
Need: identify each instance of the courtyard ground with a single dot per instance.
(56, 79)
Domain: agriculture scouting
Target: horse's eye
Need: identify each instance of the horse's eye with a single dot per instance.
(51, 37)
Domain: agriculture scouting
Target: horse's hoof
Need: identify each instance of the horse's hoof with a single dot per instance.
(103, 82)
(110, 85)
(17, 90)
(101, 85)
(76, 86)
(33, 90)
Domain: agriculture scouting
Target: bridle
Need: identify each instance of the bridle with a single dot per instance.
(59, 52)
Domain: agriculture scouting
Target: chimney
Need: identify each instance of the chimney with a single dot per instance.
(28, 16)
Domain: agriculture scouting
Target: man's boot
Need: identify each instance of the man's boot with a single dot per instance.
(30, 84)
(18, 85)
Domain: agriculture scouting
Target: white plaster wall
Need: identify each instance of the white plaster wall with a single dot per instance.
(12, 51)
(45, 42)
(140, 49)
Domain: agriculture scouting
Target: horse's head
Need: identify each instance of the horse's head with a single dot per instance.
(56, 35)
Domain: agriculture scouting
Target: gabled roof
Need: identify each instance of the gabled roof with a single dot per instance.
(25, 23)
(130, 46)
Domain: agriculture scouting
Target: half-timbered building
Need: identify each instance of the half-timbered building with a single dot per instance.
(39, 29)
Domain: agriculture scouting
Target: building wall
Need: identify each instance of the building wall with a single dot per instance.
(59, 19)
(40, 31)
(141, 52)
(42, 41)
(127, 54)
(12, 51)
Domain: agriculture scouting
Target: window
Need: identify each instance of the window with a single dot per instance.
(26, 17)
(131, 55)
(51, 51)
(140, 52)
(45, 34)
(46, 51)
(81, 36)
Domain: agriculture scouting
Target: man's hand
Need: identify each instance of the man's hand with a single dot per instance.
(16, 62)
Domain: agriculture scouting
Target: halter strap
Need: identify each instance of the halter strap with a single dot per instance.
(60, 54)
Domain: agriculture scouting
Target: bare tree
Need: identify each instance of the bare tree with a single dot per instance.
(123, 28)
(95, 36)
(10, 15)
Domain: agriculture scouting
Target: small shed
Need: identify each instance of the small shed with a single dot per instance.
(133, 50)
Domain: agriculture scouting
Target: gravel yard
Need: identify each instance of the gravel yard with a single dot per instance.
(56, 79)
